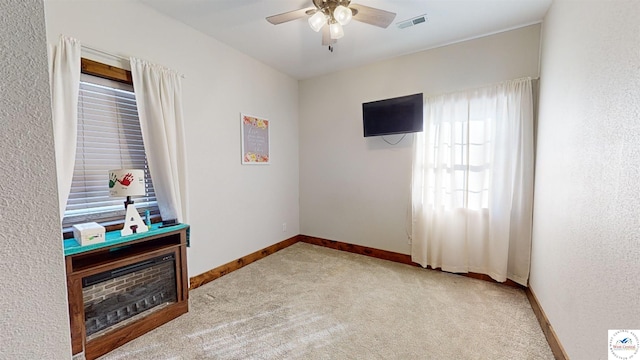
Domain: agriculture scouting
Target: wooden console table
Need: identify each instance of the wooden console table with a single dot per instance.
(115, 254)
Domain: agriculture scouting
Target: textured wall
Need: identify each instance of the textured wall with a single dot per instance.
(34, 323)
(586, 238)
(356, 189)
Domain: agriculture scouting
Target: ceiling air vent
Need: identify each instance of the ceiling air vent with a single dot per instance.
(413, 21)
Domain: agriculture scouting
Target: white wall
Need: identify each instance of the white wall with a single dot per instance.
(234, 209)
(586, 238)
(357, 190)
(33, 299)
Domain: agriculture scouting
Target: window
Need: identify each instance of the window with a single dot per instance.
(458, 167)
(472, 187)
(109, 137)
(460, 153)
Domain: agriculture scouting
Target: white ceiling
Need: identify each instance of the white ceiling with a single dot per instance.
(295, 49)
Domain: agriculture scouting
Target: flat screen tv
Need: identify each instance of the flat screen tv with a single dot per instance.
(399, 115)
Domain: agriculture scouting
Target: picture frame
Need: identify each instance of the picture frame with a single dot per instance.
(255, 139)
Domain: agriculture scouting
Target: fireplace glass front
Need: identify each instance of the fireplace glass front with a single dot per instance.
(117, 297)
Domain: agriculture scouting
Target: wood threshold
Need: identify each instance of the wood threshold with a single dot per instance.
(547, 329)
(199, 280)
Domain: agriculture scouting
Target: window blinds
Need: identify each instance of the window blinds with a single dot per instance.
(109, 137)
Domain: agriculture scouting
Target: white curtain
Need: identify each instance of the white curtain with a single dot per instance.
(472, 185)
(65, 84)
(159, 96)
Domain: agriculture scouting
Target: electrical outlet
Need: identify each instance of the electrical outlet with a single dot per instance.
(284, 227)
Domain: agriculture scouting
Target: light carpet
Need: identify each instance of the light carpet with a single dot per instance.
(310, 302)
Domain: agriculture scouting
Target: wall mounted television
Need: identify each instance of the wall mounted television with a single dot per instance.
(398, 115)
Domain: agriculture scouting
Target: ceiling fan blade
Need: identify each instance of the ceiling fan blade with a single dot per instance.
(326, 36)
(289, 16)
(373, 16)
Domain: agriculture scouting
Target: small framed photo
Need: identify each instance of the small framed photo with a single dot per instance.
(255, 139)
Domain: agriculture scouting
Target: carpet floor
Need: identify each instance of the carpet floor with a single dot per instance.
(310, 302)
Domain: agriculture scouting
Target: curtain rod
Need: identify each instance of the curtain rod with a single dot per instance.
(113, 56)
(482, 86)
(102, 52)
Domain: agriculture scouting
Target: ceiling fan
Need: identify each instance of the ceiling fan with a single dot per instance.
(335, 14)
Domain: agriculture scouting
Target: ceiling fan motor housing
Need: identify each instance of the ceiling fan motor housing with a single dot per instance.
(328, 8)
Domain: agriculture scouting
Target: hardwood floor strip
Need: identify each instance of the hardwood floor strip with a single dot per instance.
(199, 280)
(547, 329)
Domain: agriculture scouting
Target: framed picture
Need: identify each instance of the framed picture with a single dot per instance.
(255, 139)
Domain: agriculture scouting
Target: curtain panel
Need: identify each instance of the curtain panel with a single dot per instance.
(472, 182)
(159, 96)
(65, 85)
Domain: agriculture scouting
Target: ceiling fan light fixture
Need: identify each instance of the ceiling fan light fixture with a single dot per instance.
(342, 14)
(317, 21)
(336, 31)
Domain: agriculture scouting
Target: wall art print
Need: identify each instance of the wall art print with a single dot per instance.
(255, 139)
